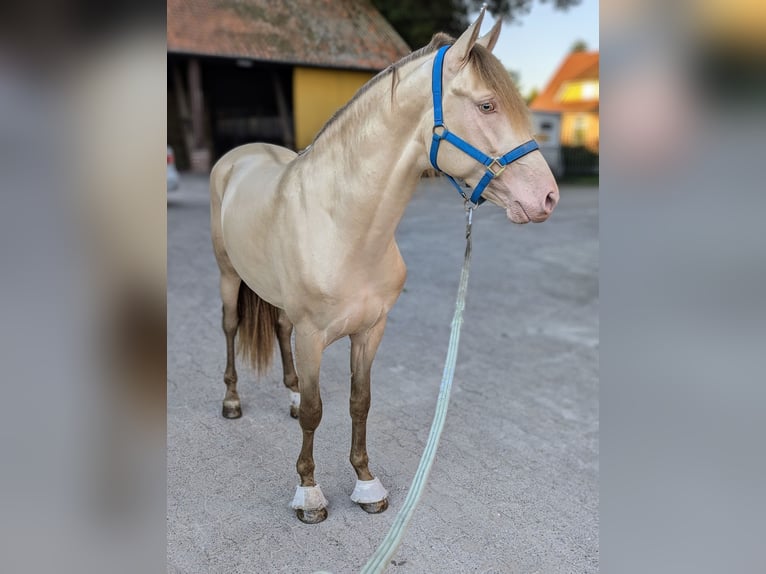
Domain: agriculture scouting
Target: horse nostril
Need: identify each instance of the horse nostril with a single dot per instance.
(550, 201)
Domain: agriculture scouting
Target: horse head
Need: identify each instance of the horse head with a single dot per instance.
(482, 107)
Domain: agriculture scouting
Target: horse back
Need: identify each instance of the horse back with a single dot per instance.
(266, 158)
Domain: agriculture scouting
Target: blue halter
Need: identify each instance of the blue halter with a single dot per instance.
(494, 165)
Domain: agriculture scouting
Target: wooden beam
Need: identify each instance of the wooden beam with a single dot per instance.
(183, 110)
(197, 103)
(284, 111)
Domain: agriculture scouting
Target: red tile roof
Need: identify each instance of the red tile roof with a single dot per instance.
(577, 66)
(331, 33)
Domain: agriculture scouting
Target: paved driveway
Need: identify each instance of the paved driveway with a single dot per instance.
(515, 485)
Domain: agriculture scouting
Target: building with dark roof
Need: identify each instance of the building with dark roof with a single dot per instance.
(255, 70)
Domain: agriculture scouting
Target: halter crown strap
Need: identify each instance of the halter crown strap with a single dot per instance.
(495, 166)
(436, 86)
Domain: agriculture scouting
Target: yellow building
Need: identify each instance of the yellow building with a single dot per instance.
(241, 71)
(317, 95)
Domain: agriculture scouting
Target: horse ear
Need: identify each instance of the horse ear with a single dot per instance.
(459, 51)
(489, 40)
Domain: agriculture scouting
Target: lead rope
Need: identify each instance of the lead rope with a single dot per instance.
(380, 560)
(393, 539)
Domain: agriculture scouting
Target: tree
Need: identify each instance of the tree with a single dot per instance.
(511, 10)
(579, 46)
(533, 93)
(417, 21)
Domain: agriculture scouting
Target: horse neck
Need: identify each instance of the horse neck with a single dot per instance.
(370, 161)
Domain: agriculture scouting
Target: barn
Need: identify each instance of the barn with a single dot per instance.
(256, 70)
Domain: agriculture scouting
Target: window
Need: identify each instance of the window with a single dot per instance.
(579, 91)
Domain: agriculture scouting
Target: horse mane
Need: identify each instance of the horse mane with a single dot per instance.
(487, 66)
(493, 74)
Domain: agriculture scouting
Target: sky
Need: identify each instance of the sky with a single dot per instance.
(535, 45)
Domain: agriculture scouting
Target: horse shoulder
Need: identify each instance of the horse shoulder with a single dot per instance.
(391, 273)
(398, 268)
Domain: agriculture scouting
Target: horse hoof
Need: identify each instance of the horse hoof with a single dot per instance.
(370, 496)
(374, 507)
(295, 404)
(311, 516)
(231, 411)
(309, 504)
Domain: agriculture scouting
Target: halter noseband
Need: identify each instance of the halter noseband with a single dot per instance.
(494, 165)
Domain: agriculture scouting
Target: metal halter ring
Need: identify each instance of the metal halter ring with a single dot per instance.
(496, 168)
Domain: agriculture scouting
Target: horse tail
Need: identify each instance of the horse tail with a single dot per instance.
(257, 329)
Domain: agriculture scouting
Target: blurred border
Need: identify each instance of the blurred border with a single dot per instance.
(82, 238)
(682, 278)
(83, 247)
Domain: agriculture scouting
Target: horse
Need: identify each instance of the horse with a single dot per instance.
(305, 241)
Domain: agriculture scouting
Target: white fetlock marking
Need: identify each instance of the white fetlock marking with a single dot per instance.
(295, 399)
(231, 403)
(308, 498)
(367, 491)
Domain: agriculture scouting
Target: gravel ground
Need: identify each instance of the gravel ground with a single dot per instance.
(514, 488)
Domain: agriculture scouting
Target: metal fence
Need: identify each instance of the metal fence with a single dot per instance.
(579, 155)
(579, 160)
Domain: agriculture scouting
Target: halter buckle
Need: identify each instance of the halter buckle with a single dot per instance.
(496, 168)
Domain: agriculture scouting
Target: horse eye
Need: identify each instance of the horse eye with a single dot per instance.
(487, 107)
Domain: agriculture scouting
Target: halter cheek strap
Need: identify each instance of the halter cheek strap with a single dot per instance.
(494, 165)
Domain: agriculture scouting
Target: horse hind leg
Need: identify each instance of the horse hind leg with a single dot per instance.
(368, 492)
(229, 286)
(232, 408)
(290, 376)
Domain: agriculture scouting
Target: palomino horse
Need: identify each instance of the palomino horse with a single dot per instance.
(305, 242)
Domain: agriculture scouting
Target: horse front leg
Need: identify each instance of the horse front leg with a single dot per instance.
(309, 503)
(289, 376)
(368, 493)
